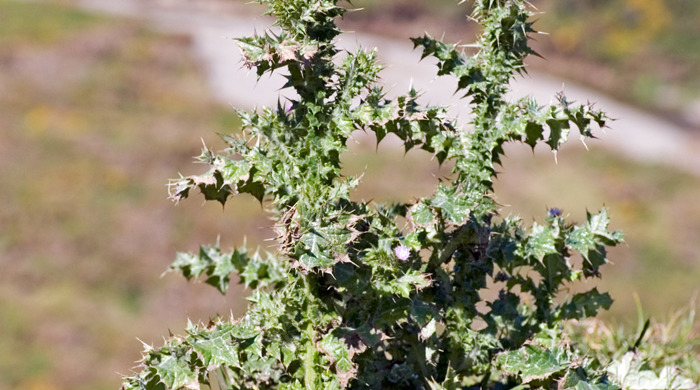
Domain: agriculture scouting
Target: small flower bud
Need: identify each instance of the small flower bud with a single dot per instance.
(502, 277)
(555, 212)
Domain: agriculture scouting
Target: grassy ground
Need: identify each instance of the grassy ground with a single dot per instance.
(96, 114)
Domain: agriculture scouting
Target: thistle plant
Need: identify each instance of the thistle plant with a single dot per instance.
(386, 296)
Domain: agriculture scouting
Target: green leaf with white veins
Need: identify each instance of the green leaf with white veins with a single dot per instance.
(409, 283)
(534, 362)
(576, 379)
(541, 242)
(422, 214)
(454, 205)
(173, 367)
(216, 347)
(315, 247)
(591, 238)
(558, 132)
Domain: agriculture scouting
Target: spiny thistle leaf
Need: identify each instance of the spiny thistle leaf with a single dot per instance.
(254, 271)
(534, 362)
(365, 295)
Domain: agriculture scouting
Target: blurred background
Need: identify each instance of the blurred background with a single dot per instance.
(101, 102)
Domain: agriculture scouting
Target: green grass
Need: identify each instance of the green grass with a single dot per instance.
(34, 360)
(86, 151)
(41, 23)
(669, 341)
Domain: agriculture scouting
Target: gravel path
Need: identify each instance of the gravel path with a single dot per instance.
(635, 134)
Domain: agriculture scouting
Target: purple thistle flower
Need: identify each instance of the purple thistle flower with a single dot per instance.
(555, 212)
(402, 252)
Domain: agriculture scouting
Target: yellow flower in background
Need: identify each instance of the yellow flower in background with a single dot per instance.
(568, 36)
(36, 384)
(37, 120)
(654, 14)
(614, 29)
(637, 22)
(43, 119)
